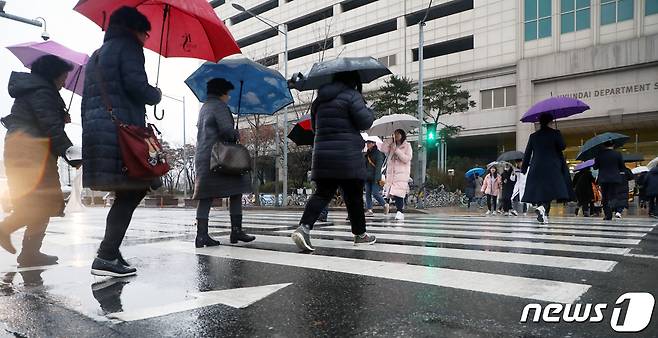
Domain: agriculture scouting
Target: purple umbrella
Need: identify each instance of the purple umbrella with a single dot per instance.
(584, 165)
(30, 51)
(559, 107)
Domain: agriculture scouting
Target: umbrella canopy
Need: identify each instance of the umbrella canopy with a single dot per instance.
(29, 52)
(258, 90)
(557, 106)
(302, 132)
(653, 163)
(511, 156)
(473, 171)
(640, 170)
(187, 28)
(322, 73)
(386, 125)
(633, 157)
(592, 146)
(584, 165)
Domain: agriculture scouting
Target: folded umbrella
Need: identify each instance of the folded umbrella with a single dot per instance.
(592, 146)
(510, 156)
(29, 52)
(302, 132)
(386, 125)
(473, 171)
(258, 90)
(559, 107)
(639, 170)
(322, 73)
(584, 165)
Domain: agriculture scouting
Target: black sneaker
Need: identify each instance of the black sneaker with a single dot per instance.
(364, 239)
(302, 238)
(102, 267)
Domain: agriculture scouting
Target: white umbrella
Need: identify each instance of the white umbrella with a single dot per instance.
(653, 163)
(375, 139)
(386, 125)
(640, 170)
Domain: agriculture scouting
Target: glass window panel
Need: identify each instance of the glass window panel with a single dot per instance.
(624, 10)
(530, 9)
(567, 22)
(499, 97)
(510, 96)
(566, 5)
(608, 13)
(651, 7)
(583, 19)
(582, 4)
(486, 99)
(544, 29)
(530, 30)
(544, 8)
(392, 60)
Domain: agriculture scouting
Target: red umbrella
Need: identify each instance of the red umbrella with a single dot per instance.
(181, 28)
(302, 133)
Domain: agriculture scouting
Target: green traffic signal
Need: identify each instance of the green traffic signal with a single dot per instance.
(430, 134)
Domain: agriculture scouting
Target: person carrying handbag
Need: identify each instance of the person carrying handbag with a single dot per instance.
(374, 163)
(215, 127)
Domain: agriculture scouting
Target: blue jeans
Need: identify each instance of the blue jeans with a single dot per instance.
(373, 190)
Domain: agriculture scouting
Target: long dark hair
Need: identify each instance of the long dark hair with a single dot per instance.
(403, 135)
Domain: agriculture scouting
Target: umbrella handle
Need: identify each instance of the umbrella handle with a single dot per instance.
(75, 85)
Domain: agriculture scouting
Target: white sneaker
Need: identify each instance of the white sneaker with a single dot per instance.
(513, 212)
(387, 208)
(525, 214)
(545, 219)
(369, 213)
(488, 213)
(618, 215)
(541, 214)
(399, 216)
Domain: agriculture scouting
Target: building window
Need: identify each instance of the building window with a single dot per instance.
(537, 23)
(575, 15)
(370, 31)
(388, 61)
(616, 11)
(498, 97)
(438, 11)
(445, 48)
(651, 7)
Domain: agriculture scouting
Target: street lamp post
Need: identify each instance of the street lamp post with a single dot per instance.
(421, 148)
(283, 30)
(182, 100)
(33, 22)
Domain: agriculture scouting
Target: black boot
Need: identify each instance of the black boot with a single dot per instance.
(31, 254)
(202, 237)
(236, 230)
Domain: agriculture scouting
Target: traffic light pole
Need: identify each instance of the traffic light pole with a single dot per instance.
(421, 148)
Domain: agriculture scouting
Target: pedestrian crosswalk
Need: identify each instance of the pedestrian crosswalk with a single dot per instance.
(513, 249)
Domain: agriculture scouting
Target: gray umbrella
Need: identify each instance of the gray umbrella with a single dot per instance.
(511, 156)
(591, 148)
(322, 73)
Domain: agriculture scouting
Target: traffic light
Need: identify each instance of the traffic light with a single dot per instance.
(430, 135)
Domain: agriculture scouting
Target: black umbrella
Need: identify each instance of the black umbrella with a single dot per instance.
(302, 133)
(591, 148)
(510, 156)
(321, 73)
(633, 157)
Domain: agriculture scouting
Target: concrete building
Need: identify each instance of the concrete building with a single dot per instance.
(509, 54)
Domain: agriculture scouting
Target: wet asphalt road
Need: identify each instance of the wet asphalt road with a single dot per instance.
(433, 275)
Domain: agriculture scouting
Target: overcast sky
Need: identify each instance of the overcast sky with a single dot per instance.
(75, 31)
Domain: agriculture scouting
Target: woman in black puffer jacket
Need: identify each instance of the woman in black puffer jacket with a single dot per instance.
(35, 139)
(337, 116)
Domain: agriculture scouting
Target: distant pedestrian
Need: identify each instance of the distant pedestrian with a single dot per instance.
(116, 73)
(398, 169)
(519, 189)
(611, 168)
(35, 139)
(215, 125)
(583, 182)
(491, 188)
(337, 116)
(478, 186)
(548, 177)
(651, 186)
(469, 189)
(508, 178)
(374, 161)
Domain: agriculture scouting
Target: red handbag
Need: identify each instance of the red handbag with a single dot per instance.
(141, 152)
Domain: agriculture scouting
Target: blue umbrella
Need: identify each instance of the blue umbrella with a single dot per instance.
(260, 90)
(473, 171)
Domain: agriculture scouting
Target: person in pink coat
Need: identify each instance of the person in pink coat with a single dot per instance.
(398, 170)
(491, 187)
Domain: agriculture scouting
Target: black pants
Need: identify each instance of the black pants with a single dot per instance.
(588, 207)
(491, 199)
(607, 190)
(118, 220)
(399, 203)
(352, 195)
(652, 205)
(507, 204)
(203, 209)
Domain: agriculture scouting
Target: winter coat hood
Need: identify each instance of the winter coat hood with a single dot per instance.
(330, 91)
(114, 32)
(21, 84)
